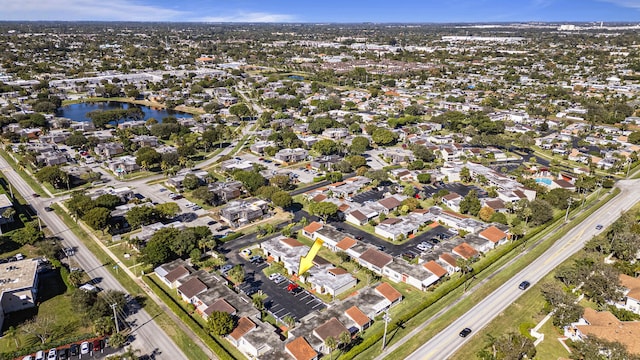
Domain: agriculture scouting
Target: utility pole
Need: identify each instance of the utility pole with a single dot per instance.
(566, 216)
(386, 319)
(115, 317)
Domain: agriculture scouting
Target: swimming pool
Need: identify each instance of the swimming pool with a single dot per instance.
(544, 181)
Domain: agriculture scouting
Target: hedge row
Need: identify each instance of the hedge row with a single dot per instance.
(214, 345)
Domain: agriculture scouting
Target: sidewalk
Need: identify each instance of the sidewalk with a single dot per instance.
(146, 289)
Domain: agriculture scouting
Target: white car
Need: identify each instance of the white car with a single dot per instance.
(274, 276)
(52, 355)
(246, 252)
(40, 355)
(226, 268)
(28, 357)
(84, 348)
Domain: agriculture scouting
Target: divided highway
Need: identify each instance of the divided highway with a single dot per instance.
(447, 342)
(149, 337)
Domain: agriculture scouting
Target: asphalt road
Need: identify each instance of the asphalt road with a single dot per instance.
(148, 337)
(447, 342)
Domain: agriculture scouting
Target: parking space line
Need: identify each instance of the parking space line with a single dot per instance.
(310, 301)
(306, 296)
(315, 306)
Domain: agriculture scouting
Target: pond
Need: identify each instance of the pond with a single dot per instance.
(78, 112)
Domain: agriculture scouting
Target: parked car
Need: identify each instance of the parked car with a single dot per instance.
(74, 350)
(96, 345)
(252, 290)
(40, 355)
(28, 357)
(226, 268)
(465, 332)
(274, 276)
(84, 348)
(256, 259)
(358, 237)
(63, 354)
(52, 355)
(292, 287)
(524, 285)
(424, 246)
(279, 279)
(246, 252)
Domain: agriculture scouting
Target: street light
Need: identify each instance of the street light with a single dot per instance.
(566, 216)
(386, 319)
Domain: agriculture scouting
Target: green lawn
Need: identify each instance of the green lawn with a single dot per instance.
(29, 179)
(183, 340)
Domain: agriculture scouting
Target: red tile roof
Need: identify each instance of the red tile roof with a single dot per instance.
(388, 292)
(493, 234)
(446, 257)
(435, 269)
(300, 349)
(319, 198)
(465, 250)
(313, 227)
(355, 314)
(244, 326)
(346, 243)
(338, 271)
(291, 242)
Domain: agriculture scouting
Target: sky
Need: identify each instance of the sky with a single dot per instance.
(322, 11)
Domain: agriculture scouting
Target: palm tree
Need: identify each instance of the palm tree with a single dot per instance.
(345, 339)
(290, 321)
(331, 343)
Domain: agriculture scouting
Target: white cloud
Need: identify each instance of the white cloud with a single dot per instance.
(110, 10)
(634, 4)
(251, 17)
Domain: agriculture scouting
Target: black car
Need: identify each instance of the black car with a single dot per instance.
(48, 209)
(409, 255)
(465, 332)
(74, 350)
(524, 285)
(358, 237)
(63, 354)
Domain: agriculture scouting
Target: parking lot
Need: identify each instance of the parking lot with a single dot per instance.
(280, 302)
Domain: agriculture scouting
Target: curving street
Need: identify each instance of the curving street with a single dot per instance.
(447, 342)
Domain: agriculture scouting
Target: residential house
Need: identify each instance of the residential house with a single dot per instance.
(325, 162)
(242, 212)
(496, 236)
(291, 155)
(108, 150)
(392, 295)
(332, 281)
(465, 251)
(171, 272)
(449, 263)
(435, 269)
(359, 318)
(285, 250)
(331, 328)
(299, 349)
(52, 158)
(452, 201)
(631, 298)
(336, 133)
(145, 140)
(259, 146)
(311, 229)
(374, 260)
(225, 191)
(124, 164)
(604, 325)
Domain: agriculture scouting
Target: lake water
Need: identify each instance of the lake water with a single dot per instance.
(78, 112)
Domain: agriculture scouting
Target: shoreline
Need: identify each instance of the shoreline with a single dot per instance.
(148, 103)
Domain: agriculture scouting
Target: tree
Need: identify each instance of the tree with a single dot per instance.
(334, 176)
(325, 147)
(540, 213)
(499, 217)
(345, 339)
(54, 176)
(240, 110)
(511, 346)
(634, 137)
(190, 182)
(251, 180)
(359, 145)
(97, 218)
(282, 181)
(602, 284)
(76, 139)
(379, 175)
(486, 213)
(118, 340)
(282, 199)
(594, 348)
(566, 309)
(422, 153)
(168, 210)
(323, 209)
(28, 234)
(384, 137)
(76, 278)
(470, 204)
(42, 327)
(236, 274)
(424, 178)
(356, 161)
(141, 215)
(108, 201)
(220, 323)
(103, 325)
(203, 193)
(12, 333)
(331, 343)
(465, 174)
(558, 198)
(148, 157)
